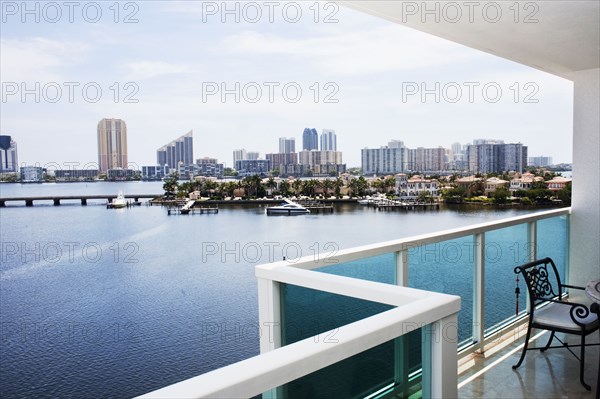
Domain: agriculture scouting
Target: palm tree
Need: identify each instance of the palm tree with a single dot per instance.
(284, 188)
(271, 184)
(389, 183)
(327, 186)
(338, 184)
(297, 185)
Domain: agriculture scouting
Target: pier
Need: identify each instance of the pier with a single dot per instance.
(388, 204)
(82, 198)
(190, 207)
(316, 206)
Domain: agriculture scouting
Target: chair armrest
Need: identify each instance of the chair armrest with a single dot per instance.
(578, 310)
(573, 286)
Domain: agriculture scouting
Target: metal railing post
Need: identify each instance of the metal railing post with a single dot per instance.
(478, 290)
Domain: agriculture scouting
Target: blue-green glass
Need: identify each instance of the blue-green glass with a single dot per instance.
(504, 250)
(376, 268)
(552, 242)
(306, 313)
(447, 267)
(362, 374)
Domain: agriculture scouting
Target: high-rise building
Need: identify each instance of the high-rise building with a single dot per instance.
(310, 139)
(328, 140)
(112, 144)
(540, 161)
(210, 167)
(179, 152)
(393, 158)
(287, 145)
(427, 159)
(239, 155)
(252, 155)
(315, 157)
(9, 162)
(490, 157)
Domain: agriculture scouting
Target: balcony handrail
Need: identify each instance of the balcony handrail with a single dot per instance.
(403, 244)
(272, 369)
(349, 286)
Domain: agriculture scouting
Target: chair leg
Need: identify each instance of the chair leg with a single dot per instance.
(524, 347)
(549, 342)
(582, 363)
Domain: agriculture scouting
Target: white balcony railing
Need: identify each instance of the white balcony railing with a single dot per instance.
(435, 313)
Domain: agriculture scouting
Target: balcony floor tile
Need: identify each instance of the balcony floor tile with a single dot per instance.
(552, 374)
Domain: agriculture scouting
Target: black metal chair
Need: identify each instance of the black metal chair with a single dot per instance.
(544, 286)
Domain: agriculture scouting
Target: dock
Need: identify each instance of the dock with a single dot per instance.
(389, 204)
(315, 206)
(190, 208)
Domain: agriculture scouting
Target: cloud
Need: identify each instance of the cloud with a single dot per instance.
(38, 58)
(149, 69)
(369, 51)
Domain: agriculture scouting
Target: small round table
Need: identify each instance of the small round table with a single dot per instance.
(592, 290)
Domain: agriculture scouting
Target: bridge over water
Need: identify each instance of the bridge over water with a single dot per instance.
(83, 198)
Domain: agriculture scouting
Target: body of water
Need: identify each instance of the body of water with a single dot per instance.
(115, 303)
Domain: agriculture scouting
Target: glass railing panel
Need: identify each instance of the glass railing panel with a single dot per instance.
(552, 241)
(311, 313)
(447, 267)
(380, 268)
(306, 312)
(376, 372)
(504, 250)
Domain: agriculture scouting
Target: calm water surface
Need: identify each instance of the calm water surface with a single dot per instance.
(116, 303)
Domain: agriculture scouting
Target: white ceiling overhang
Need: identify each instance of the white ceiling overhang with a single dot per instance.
(559, 37)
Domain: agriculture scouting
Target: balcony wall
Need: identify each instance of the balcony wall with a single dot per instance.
(585, 222)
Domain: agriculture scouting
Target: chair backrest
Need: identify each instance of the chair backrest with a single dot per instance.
(542, 282)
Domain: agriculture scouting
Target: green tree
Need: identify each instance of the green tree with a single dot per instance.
(425, 197)
(170, 184)
(271, 184)
(284, 188)
(337, 185)
(501, 195)
(253, 186)
(564, 194)
(297, 185)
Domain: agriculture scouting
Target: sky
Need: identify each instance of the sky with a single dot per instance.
(262, 71)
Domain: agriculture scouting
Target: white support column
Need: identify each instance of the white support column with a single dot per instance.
(270, 322)
(402, 268)
(269, 315)
(401, 343)
(440, 358)
(478, 290)
(584, 253)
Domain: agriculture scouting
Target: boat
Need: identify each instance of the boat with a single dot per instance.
(289, 208)
(118, 202)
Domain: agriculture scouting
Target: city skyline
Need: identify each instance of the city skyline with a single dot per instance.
(334, 61)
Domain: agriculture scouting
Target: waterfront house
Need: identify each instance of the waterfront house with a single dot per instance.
(524, 181)
(558, 183)
(467, 182)
(415, 186)
(493, 183)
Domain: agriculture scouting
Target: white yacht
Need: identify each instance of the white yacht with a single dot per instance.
(289, 208)
(119, 202)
